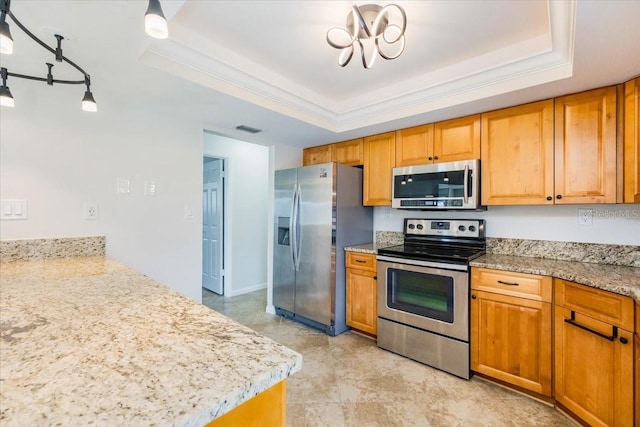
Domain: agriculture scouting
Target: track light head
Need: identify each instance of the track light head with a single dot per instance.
(88, 102)
(155, 24)
(6, 41)
(6, 99)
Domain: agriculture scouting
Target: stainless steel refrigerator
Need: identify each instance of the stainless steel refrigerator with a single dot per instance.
(318, 211)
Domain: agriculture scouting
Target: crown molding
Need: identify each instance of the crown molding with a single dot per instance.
(525, 64)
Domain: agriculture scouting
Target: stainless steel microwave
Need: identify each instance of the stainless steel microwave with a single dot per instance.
(438, 186)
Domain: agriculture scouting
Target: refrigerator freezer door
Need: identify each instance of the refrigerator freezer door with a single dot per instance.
(284, 276)
(315, 278)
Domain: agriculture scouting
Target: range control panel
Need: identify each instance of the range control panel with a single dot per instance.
(443, 227)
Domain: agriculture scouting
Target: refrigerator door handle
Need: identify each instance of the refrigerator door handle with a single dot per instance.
(292, 227)
(298, 239)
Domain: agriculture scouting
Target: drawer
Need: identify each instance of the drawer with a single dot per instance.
(617, 310)
(529, 286)
(361, 261)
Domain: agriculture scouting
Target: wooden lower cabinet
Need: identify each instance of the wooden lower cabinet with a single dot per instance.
(594, 354)
(361, 289)
(510, 335)
(267, 409)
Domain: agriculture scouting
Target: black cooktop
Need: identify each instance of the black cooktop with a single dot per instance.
(456, 241)
(458, 255)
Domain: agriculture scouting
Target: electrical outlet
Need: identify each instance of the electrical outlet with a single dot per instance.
(585, 216)
(90, 210)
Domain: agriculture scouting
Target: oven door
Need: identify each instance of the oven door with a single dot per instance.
(434, 299)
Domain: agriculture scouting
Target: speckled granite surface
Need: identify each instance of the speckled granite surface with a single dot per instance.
(369, 248)
(87, 341)
(568, 251)
(622, 280)
(389, 238)
(17, 250)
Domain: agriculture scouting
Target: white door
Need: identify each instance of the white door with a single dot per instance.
(212, 225)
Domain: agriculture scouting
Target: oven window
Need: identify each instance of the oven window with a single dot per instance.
(424, 294)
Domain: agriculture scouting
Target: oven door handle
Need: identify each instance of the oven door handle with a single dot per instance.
(466, 184)
(420, 263)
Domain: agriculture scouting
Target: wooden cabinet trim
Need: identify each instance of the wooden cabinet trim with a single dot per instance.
(632, 141)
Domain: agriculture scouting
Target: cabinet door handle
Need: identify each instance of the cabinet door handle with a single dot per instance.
(559, 196)
(375, 277)
(572, 321)
(508, 283)
(549, 198)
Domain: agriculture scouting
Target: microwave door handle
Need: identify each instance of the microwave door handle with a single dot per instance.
(466, 184)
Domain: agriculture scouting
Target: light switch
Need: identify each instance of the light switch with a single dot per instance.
(124, 186)
(13, 209)
(149, 188)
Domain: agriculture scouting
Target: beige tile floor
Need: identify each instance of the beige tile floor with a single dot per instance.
(348, 381)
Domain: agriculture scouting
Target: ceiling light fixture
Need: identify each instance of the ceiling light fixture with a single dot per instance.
(155, 24)
(369, 26)
(6, 47)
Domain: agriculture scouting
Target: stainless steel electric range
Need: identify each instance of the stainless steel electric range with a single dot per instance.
(423, 292)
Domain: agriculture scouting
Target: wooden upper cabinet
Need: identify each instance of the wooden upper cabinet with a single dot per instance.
(414, 146)
(316, 155)
(517, 155)
(585, 147)
(379, 161)
(349, 152)
(632, 142)
(457, 139)
(447, 141)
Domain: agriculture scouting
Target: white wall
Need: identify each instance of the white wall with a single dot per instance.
(246, 201)
(58, 157)
(612, 224)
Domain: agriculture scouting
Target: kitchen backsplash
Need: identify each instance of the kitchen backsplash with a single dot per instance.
(388, 238)
(569, 251)
(595, 253)
(28, 249)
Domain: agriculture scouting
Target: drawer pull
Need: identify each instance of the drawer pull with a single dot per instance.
(572, 321)
(361, 261)
(508, 283)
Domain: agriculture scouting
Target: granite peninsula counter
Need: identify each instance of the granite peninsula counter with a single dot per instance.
(86, 340)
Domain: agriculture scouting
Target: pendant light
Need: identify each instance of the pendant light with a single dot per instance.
(155, 24)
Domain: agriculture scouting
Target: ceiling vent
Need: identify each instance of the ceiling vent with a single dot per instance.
(244, 128)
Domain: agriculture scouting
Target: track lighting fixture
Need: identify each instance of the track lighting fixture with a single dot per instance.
(155, 24)
(6, 47)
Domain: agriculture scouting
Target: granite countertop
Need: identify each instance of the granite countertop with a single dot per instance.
(367, 248)
(86, 340)
(621, 280)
